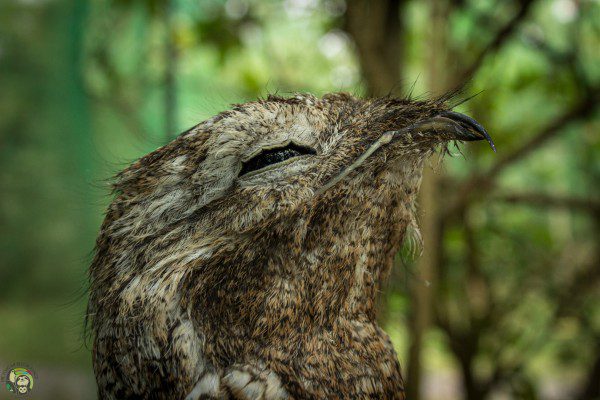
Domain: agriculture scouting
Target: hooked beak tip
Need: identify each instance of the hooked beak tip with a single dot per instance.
(474, 130)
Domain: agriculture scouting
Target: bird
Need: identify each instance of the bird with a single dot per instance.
(243, 260)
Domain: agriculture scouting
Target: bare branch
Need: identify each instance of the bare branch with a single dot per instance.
(546, 200)
(116, 96)
(501, 37)
(129, 116)
(567, 57)
(480, 182)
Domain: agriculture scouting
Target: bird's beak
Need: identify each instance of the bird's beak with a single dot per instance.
(450, 125)
(469, 129)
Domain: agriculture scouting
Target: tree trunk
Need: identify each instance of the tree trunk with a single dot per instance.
(471, 386)
(376, 28)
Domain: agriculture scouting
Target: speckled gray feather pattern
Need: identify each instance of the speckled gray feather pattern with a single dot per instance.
(210, 285)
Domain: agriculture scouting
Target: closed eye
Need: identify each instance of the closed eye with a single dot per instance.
(274, 156)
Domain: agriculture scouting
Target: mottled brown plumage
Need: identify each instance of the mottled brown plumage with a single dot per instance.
(214, 278)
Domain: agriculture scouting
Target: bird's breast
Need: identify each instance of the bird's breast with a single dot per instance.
(352, 359)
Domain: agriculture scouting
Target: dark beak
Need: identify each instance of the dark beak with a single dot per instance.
(448, 125)
(468, 129)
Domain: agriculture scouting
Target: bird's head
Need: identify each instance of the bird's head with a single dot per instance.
(295, 188)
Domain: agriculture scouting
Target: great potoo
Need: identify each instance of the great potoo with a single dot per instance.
(243, 259)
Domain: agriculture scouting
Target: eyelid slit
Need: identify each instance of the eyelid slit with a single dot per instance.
(273, 156)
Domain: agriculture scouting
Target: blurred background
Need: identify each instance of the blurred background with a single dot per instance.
(505, 301)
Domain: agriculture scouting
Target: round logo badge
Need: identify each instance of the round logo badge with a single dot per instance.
(19, 379)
